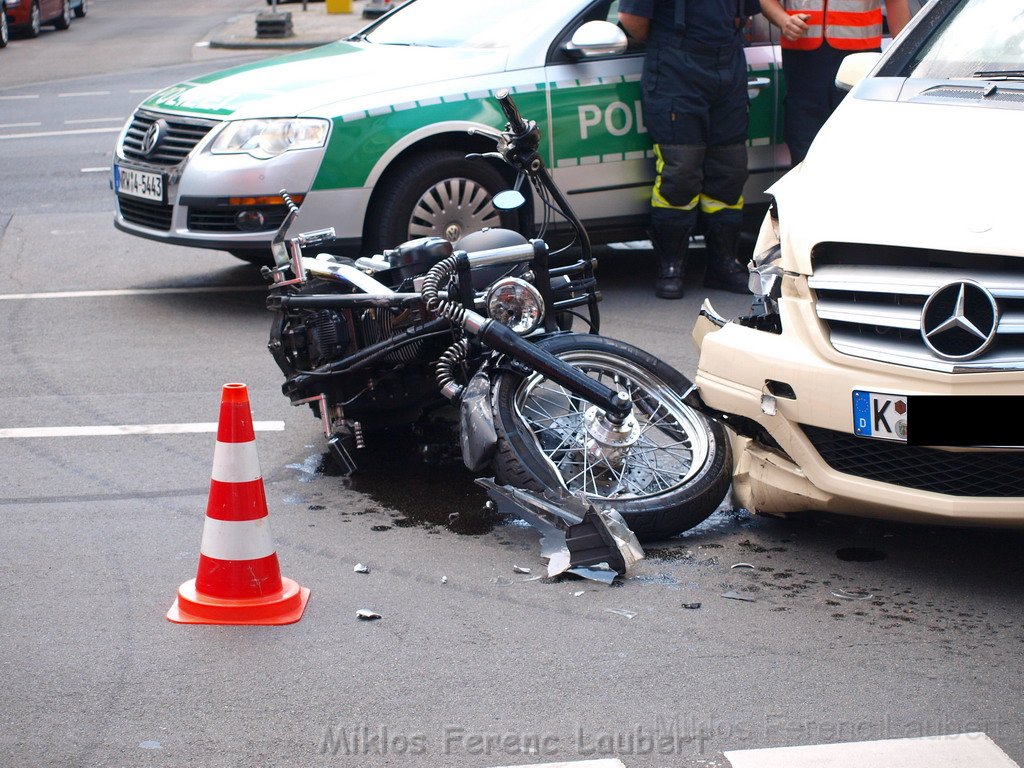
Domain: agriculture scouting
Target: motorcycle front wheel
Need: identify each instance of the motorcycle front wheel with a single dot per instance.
(672, 472)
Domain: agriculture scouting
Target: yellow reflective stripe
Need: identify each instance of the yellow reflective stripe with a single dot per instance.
(657, 199)
(710, 205)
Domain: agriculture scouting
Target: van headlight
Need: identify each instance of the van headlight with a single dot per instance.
(515, 303)
(264, 139)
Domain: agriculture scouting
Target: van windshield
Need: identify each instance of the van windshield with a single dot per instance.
(981, 37)
(467, 23)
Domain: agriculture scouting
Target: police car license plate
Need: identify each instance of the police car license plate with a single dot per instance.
(880, 415)
(141, 184)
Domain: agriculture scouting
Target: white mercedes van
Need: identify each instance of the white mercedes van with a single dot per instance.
(881, 371)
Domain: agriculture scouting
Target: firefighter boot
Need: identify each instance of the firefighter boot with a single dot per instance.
(670, 240)
(724, 270)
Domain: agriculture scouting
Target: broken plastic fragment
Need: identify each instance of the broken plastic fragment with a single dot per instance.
(576, 536)
(600, 572)
(741, 565)
(444, 579)
(691, 606)
(520, 569)
(367, 615)
(844, 594)
(577, 594)
(734, 595)
(360, 568)
(623, 612)
(501, 581)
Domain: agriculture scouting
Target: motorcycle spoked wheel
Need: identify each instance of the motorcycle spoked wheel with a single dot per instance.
(672, 477)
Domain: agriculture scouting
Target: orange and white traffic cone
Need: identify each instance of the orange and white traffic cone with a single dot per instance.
(239, 579)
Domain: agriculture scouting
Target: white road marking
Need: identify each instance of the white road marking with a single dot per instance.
(25, 96)
(129, 292)
(19, 125)
(94, 120)
(102, 169)
(962, 750)
(604, 763)
(82, 93)
(128, 429)
(43, 134)
(141, 90)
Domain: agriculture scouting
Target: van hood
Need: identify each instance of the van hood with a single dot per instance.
(915, 175)
(302, 83)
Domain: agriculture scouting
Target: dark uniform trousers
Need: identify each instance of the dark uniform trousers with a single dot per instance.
(695, 108)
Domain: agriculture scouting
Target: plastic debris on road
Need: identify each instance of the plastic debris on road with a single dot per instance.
(691, 606)
(575, 536)
(360, 568)
(520, 569)
(623, 612)
(846, 594)
(741, 565)
(365, 614)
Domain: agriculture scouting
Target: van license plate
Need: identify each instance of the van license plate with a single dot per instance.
(880, 415)
(142, 184)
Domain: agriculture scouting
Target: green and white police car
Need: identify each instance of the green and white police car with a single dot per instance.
(372, 132)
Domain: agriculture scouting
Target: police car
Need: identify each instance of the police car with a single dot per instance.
(371, 133)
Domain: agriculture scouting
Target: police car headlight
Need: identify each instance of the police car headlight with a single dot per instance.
(515, 303)
(264, 139)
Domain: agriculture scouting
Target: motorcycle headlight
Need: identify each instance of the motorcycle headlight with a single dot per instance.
(264, 139)
(515, 303)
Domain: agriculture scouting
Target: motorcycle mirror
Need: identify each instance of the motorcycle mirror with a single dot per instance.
(508, 200)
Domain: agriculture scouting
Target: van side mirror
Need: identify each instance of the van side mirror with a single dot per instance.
(855, 68)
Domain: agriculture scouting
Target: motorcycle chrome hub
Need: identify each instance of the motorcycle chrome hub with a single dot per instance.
(609, 442)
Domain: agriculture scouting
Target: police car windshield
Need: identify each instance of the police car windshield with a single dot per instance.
(466, 23)
(978, 38)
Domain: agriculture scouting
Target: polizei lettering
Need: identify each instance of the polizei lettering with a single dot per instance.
(618, 118)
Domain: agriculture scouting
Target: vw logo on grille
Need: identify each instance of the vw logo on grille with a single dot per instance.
(959, 320)
(152, 137)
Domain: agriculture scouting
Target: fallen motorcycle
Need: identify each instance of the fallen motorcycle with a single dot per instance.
(399, 337)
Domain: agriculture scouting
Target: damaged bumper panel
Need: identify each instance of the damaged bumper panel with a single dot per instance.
(792, 399)
(576, 537)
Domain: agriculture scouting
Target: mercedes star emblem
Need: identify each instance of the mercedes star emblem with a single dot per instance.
(959, 320)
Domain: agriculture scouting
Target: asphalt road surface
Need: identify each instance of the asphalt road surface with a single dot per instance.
(850, 630)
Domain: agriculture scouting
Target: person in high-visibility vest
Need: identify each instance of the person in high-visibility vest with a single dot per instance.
(816, 36)
(695, 103)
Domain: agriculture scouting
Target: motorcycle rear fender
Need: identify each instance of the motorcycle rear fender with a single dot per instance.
(476, 423)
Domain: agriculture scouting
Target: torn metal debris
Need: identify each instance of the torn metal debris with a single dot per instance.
(365, 614)
(576, 536)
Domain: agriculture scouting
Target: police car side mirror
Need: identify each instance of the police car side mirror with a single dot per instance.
(596, 38)
(855, 68)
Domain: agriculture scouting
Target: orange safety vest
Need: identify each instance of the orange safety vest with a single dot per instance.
(849, 25)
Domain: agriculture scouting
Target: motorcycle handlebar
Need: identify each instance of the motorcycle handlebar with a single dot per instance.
(516, 123)
(507, 254)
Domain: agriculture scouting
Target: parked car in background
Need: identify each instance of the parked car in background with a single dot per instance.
(371, 132)
(881, 374)
(27, 17)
